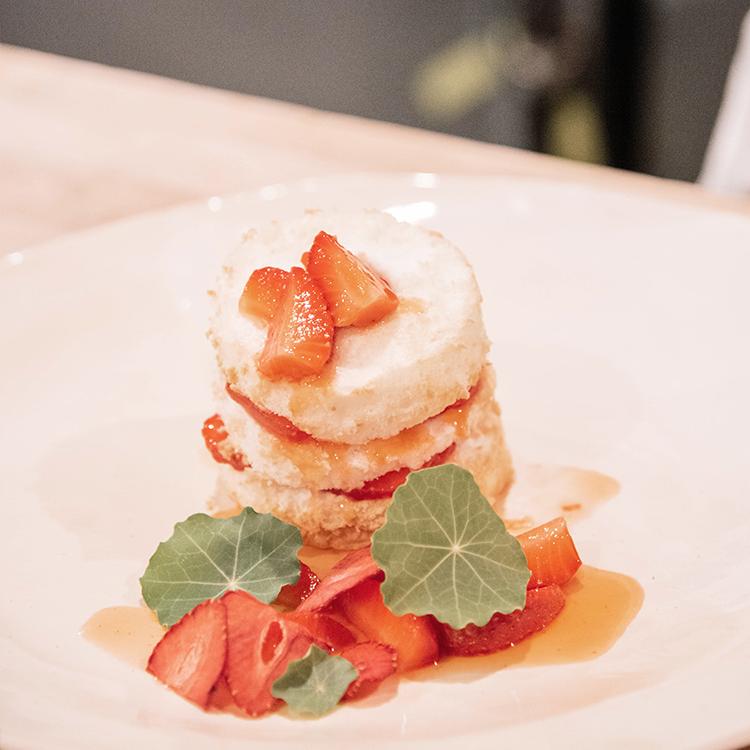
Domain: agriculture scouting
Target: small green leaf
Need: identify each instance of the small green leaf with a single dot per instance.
(314, 684)
(207, 556)
(445, 551)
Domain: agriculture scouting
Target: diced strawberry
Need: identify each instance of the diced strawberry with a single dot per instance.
(327, 631)
(263, 292)
(502, 631)
(191, 655)
(300, 334)
(273, 423)
(550, 553)
(260, 644)
(413, 637)
(292, 594)
(214, 432)
(356, 296)
(374, 662)
(348, 572)
(386, 484)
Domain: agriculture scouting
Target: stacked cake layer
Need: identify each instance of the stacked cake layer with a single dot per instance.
(413, 389)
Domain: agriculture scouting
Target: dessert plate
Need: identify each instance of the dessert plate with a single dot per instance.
(620, 335)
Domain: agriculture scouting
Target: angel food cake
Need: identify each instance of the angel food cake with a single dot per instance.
(351, 350)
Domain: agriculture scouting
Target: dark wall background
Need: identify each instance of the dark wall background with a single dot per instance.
(635, 83)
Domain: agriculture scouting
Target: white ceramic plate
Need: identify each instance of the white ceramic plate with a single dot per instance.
(620, 330)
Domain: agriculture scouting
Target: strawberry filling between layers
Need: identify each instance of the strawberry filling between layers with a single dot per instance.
(380, 487)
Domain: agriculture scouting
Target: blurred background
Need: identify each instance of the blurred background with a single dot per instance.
(631, 83)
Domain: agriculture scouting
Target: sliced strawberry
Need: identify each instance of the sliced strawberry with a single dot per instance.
(300, 335)
(502, 631)
(260, 644)
(191, 655)
(292, 594)
(386, 484)
(551, 554)
(214, 432)
(374, 662)
(413, 637)
(351, 570)
(356, 296)
(326, 630)
(263, 292)
(273, 423)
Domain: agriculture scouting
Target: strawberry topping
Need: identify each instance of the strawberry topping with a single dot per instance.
(374, 662)
(502, 631)
(274, 423)
(327, 631)
(550, 553)
(214, 432)
(300, 334)
(190, 657)
(356, 296)
(263, 292)
(260, 644)
(351, 570)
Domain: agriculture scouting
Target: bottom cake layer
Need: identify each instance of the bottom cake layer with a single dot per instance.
(335, 521)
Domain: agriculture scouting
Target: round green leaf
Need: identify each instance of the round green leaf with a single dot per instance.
(445, 551)
(207, 556)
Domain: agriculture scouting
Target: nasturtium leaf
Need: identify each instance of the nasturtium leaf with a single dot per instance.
(445, 551)
(314, 684)
(207, 556)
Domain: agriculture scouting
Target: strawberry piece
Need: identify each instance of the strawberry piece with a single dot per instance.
(551, 554)
(292, 594)
(190, 657)
(214, 432)
(273, 423)
(386, 484)
(300, 335)
(327, 631)
(373, 662)
(263, 292)
(413, 637)
(348, 572)
(502, 631)
(356, 296)
(260, 644)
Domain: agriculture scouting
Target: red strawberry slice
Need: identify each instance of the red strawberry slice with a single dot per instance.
(351, 570)
(374, 662)
(551, 554)
(263, 292)
(300, 334)
(502, 631)
(327, 631)
(274, 423)
(260, 644)
(292, 594)
(414, 638)
(355, 295)
(190, 657)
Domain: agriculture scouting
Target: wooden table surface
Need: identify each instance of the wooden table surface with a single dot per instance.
(82, 144)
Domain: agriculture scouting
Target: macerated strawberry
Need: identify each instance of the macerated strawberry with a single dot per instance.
(348, 572)
(292, 594)
(413, 637)
(327, 631)
(551, 554)
(356, 296)
(386, 484)
(273, 423)
(214, 433)
(502, 631)
(191, 655)
(260, 644)
(300, 335)
(373, 662)
(263, 292)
